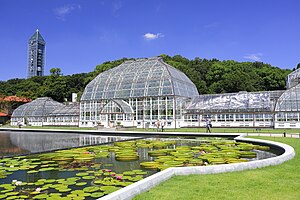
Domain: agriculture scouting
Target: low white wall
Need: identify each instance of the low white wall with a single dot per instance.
(287, 125)
(146, 184)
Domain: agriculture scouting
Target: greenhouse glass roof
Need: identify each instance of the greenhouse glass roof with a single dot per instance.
(38, 108)
(66, 110)
(293, 79)
(289, 100)
(234, 102)
(140, 78)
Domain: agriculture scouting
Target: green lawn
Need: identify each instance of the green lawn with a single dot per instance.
(275, 182)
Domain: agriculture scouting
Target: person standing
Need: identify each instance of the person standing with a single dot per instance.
(19, 124)
(163, 123)
(208, 126)
(157, 125)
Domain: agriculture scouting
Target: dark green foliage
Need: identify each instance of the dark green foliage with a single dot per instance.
(209, 76)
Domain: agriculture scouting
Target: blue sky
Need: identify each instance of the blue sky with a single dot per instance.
(83, 33)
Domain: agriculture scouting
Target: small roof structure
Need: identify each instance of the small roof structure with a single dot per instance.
(40, 107)
(2, 114)
(15, 99)
(66, 110)
(37, 37)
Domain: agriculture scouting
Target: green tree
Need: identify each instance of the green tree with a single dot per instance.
(55, 71)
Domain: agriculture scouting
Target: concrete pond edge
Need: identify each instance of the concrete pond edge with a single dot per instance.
(146, 184)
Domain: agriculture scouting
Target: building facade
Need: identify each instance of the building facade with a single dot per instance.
(36, 55)
(141, 92)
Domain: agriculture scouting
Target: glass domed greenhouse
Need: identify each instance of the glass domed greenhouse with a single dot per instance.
(136, 93)
(35, 113)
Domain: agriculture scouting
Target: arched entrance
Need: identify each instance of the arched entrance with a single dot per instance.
(116, 112)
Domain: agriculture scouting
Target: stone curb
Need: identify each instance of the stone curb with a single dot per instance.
(146, 184)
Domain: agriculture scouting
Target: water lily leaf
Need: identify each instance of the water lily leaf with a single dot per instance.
(56, 194)
(81, 183)
(88, 177)
(77, 192)
(97, 194)
(98, 182)
(82, 174)
(32, 172)
(50, 181)
(12, 193)
(91, 189)
(108, 189)
(46, 169)
(64, 190)
(129, 173)
(73, 179)
(41, 196)
(12, 197)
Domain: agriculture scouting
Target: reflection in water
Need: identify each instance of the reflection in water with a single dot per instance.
(12, 143)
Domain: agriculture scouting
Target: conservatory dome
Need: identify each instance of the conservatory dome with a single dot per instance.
(40, 107)
(140, 78)
(289, 100)
(293, 79)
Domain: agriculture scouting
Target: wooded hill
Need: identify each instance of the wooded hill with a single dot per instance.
(209, 76)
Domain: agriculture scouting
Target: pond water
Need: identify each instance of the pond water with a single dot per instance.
(93, 171)
(15, 143)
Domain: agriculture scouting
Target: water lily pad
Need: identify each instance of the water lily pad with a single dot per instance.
(12, 197)
(50, 181)
(55, 194)
(108, 189)
(91, 189)
(64, 189)
(82, 174)
(73, 179)
(81, 183)
(12, 193)
(97, 194)
(129, 173)
(41, 196)
(98, 182)
(32, 172)
(88, 177)
(46, 169)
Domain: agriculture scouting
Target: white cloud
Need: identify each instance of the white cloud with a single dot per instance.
(62, 12)
(255, 56)
(152, 36)
(117, 5)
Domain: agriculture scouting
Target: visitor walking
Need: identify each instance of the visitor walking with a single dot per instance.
(19, 124)
(208, 126)
(163, 123)
(157, 125)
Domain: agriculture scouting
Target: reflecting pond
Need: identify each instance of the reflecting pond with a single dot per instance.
(93, 171)
(14, 143)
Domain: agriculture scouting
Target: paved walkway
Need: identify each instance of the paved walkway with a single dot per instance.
(288, 135)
